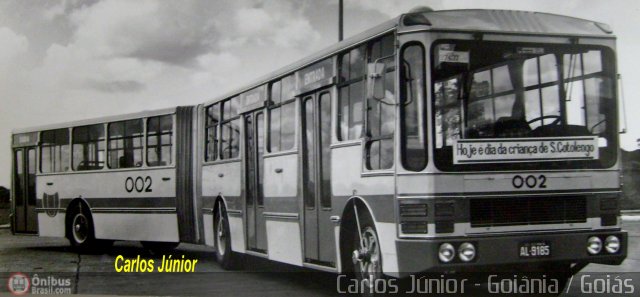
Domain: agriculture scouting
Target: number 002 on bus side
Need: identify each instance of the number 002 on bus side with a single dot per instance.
(535, 249)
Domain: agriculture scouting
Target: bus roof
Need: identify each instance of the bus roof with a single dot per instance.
(469, 20)
(106, 119)
(514, 21)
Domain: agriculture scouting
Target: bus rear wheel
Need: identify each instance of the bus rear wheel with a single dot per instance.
(80, 230)
(224, 255)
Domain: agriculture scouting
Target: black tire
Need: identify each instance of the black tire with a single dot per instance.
(367, 257)
(159, 248)
(227, 258)
(80, 229)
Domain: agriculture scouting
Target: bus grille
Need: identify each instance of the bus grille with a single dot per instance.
(493, 212)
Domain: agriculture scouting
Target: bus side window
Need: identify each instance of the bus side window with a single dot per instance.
(351, 94)
(88, 147)
(282, 115)
(413, 143)
(54, 151)
(211, 128)
(380, 124)
(124, 144)
(230, 129)
(159, 140)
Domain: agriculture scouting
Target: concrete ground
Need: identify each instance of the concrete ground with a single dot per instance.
(95, 273)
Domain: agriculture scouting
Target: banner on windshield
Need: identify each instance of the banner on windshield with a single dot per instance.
(476, 151)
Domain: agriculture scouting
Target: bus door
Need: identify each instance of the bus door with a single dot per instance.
(319, 239)
(254, 195)
(24, 190)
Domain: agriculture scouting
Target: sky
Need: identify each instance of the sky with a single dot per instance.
(67, 60)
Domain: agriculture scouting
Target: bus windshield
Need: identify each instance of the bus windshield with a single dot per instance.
(509, 105)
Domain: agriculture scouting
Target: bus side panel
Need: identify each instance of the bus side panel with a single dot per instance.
(347, 181)
(282, 208)
(138, 226)
(376, 190)
(224, 180)
(236, 228)
(143, 199)
(51, 226)
(207, 224)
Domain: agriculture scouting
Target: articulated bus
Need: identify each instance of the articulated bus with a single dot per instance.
(436, 141)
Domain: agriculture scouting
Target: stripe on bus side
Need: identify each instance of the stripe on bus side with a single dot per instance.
(382, 205)
(118, 203)
(232, 202)
(114, 210)
(509, 193)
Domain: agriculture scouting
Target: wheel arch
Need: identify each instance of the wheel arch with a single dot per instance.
(70, 210)
(216, 204)
(348, 225)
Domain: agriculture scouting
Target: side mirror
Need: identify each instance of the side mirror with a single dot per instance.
(375, 82)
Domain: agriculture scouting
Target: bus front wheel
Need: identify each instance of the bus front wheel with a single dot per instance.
(366, 257)
(224, 255)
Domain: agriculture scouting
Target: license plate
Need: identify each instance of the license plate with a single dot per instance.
(536, 249)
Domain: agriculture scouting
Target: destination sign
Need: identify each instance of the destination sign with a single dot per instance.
(477, 151)
(254, 97)
(25, 139)
(315, 76)
(453, 57)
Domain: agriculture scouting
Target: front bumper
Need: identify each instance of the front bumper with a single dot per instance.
(420, 255)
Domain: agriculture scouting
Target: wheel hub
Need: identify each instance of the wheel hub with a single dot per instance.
(361, 255)
(221, 237)
(80, 228)
(366, 257)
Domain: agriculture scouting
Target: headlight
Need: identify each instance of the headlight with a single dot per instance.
(594, 245)
(447, 252)
(467, 252)
(612, 244)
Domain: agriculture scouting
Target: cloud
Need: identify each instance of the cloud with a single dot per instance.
(392, 8)
(215, 68)
(119, 86)
(277, 23)
(173, 32)
(126, 46)
(13, 45)
(14, 50)
(253, 21)
(73, 67)
(53, 10)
